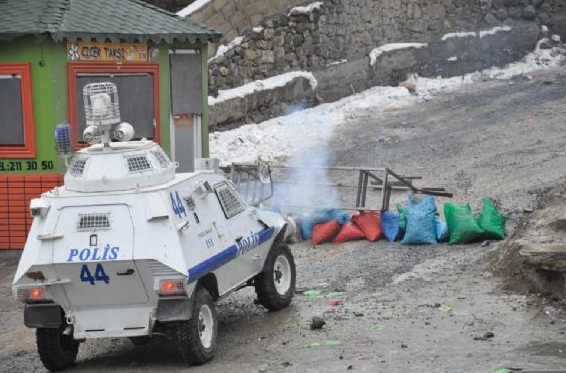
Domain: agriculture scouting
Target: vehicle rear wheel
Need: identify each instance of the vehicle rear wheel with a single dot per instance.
(197, 337)
(275, 286)
(56, 350)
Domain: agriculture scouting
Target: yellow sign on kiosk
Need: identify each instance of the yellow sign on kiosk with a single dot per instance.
(95, 51)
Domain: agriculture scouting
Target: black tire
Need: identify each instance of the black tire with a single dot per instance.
(56, 350)
(267, 282)
(187, 333)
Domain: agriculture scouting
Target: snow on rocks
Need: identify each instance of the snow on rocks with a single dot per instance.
(261, 85)
(225, 48)
(282, 137)
(462, 34)
(258, 29)
(305, 9)
(374, 54)
(494, 31)
(471, 34)
(190, 9)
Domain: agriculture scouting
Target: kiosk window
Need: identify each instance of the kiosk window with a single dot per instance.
(135, 94)
(138, 94)
(17, 128)
(11, 116)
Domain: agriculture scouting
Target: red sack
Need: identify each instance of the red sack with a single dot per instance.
(325, 232)
(369, 222)
(349, 232)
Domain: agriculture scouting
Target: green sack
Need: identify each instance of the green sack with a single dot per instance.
(462, 224)
(491, 221)
(402, 218)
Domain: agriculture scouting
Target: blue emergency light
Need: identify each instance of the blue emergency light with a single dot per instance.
(63, 140)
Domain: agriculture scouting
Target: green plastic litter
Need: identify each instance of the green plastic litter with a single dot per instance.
(503, 370)
(332, 343)
(462, 224)
(491, 221)
(378, 327)
(402, 217)
(290, 324)
(336, 294)
(313, 294)
(448, 308)
(311, 345)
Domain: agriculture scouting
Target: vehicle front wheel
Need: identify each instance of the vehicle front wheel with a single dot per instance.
(57, 351)
(275, 286)
(197, 337)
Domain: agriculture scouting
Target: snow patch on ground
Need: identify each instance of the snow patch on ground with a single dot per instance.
(305, 9)
(279, 138)
(258, 29)
(261, 85)
(537, 60)
(225, 48)
(374, 54)
(190, 9)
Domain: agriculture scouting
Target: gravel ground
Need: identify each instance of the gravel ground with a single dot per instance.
(425, 309)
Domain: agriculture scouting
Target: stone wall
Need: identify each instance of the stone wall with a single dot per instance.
(334, 40)
(350, 29)
(235, 17)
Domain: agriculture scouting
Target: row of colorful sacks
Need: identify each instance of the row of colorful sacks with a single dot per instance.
(416, 223)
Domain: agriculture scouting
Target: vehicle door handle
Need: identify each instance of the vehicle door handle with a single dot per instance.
(128, 272)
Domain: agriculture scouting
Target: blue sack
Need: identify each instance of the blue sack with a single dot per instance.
(342, 216)
(421, 221)
(390, 226)
(321, 216)
(442, 234)
(308, 221)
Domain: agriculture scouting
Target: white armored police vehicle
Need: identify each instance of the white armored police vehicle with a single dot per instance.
(129, 248)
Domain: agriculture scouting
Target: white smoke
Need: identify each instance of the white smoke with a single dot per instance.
(306, 182)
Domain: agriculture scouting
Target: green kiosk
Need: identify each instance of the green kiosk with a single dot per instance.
(50, 49)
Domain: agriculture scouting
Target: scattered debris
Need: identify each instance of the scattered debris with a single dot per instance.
(404, 346)
(317, 323)
(336, 294)
(290, 324)
(378, 327)
(311, 345)
(503, 370)
(485, 243)
(360, 312)
(335, 302)
(313, 294)
(412, 88)
(485, 337)
(332, 343)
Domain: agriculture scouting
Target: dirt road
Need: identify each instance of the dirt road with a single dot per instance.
(420, 309)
